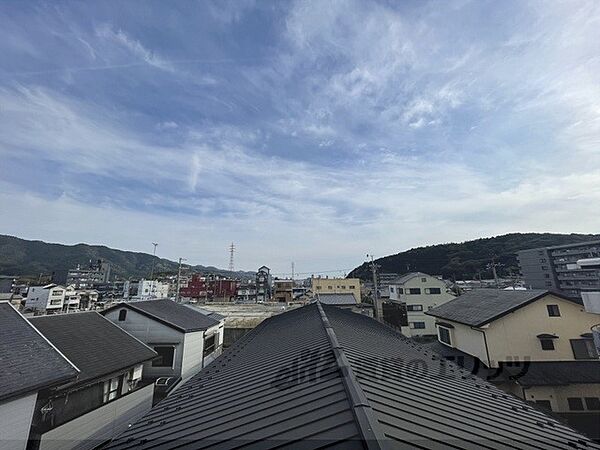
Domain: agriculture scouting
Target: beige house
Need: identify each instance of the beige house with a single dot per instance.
(320, 285)
(420, 292)
(535, 344)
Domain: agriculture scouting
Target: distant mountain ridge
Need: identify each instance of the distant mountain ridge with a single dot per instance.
(467, 260)
(31, 258)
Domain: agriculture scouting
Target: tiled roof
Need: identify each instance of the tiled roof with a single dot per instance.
(322, 376)
(175, 315)
(28, 362)
(337, 299)
(481, 306)
(93, 343)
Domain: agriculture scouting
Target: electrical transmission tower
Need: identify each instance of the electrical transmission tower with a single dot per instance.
(231, 252)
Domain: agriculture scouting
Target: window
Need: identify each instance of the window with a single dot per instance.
(433, 291)
(544, 404)
(414, 291)
(209, 345)
(546, 275)
(543, 260)
(575, 404)
(400, 291)
(553, 310)
(417, 325)
(122, 315)
(318, 288)
(547, 344)
(592, 403)
(444, 335)
(583, 349)
(350, 287)
(414, 307)
(166, 355)
(110, 390)
(423, 280)
(391, 289)
(329, 287)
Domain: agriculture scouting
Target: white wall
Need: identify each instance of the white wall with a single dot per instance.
(99, 425)
(15, 422)
(151, 332)
(192, 354)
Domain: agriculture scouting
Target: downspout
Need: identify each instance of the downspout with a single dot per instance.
(487, 352)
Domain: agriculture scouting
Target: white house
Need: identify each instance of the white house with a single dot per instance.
(186, 338)
(145, 290)
(30, 365)
(420, 292)
(72, 298)
(48, 299)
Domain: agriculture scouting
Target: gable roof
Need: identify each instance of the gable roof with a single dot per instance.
(337, 299)
(409, 276)
(175, 315)
(28, 362)
(481, 306)
(93, 343)
(311, 378)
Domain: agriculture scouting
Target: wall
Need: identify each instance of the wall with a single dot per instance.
(151, 332)
(99, 425)
(193, 347)
(336, 286)
(557, 395)
(514, 335)
(427, 301)
(15, 421)
(469, 340)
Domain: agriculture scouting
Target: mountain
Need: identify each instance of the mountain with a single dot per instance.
(32, 258)
(469, 259)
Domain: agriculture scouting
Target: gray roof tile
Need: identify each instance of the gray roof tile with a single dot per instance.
(28, 362)
(93, 343)
(337, 299)
(320, 375)
(481, 306)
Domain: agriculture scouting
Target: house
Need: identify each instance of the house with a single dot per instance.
(72, 299)
(535, 344)
(108, 392)
(321, 376)
(420, 292)
(346, 301)
(48, 299)
(185, 337)
(326, 285)
(246, 292)
(283, 290)
(263, 284)
(31, 366)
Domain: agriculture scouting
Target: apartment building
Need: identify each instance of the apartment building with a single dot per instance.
(48, 299)
(145, 289)
(535, 344)
(283, 291)
(326, 285)
(419, 292)
(86, 277)
(552, 268)
(263, 285)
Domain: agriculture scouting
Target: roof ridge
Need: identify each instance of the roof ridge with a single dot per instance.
(365, 419)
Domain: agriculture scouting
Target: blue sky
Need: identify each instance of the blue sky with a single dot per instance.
(313, 132)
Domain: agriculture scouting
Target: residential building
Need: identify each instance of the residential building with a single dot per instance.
(145, 290)
(345, 301)
(210, 288)
(186, 338)
(30, 365)
(548, 268)
(321, 376)
(246, 292)
(326, 285)
(108, 392)
(283, 290)
(72, 299)
(420, 292)
(86, 277)
(263, 285)
(48, 299)
(535, 344)
(89, 299)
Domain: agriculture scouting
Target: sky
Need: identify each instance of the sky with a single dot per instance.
(314, 132)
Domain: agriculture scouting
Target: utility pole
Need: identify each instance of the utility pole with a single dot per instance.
(292, 270)
(179, 279)
(153, 261)
(231, 251)
(377, 309)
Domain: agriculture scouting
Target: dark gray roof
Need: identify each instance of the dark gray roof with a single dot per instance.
(93, 343)
(174, 315)
(213, 315)
(337, 299)
(481, 306)
(555, 373)
(28, 362)
(322, 376)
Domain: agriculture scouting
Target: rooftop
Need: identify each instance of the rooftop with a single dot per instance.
(311, 378)
(337, 299)
(174, 315)
(93, 343)
(29, 362)
(481, 306)
(409, 276)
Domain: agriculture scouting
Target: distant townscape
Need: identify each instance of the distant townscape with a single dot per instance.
(103, 359)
